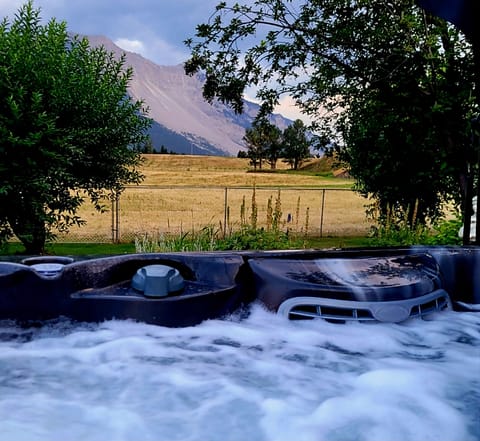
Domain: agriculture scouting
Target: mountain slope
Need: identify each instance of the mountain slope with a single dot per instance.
(184, 121)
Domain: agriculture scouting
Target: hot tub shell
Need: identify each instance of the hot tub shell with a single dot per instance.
(391, 284)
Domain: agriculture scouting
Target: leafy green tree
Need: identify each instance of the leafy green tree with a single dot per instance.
(68, 129)
(264, 143)
(242, 154)
(272, 138)
(296, 146)
(255, 147)
(387, 85)
(407, 136)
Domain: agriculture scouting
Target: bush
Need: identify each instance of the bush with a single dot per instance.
(445, 232)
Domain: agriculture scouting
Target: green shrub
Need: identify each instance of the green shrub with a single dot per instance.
(397, 229)
(445, 232)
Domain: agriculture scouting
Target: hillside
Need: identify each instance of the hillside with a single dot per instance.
(184, 121)
(212, 171)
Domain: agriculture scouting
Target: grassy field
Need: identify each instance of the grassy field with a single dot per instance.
(183, 193)
(186, 170)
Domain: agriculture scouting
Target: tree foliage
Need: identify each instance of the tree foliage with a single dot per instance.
(266, 142)
(67, 127)
(263, 141)
(255, 147)
(387, 85)
(296, 145)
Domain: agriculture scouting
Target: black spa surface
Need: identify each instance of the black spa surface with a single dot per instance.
(184, 289)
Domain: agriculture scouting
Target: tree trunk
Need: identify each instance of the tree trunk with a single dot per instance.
(30, 230)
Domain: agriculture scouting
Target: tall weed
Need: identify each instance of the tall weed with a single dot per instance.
(246, 236)
(396, 227)
(399, 228)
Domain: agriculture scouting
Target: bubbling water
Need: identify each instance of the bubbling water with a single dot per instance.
(256, 378)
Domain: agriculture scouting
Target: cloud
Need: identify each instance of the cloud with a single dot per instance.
(131, 45)
(286, 106)
(153, 48)
(155, 29)
(10, 5)
(165, 53)
(8, 8)
(290, 110)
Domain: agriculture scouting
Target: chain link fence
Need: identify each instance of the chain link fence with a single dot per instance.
(151, 209)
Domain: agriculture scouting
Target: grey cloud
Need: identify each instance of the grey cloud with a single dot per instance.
(161, 25)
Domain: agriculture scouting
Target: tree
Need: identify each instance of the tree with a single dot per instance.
(272, 139)
(255, 147)
(242, 154)
(296, 146)
(263, 141)
(148, 147)
(68, 129)
(391, 86)
(407, 136)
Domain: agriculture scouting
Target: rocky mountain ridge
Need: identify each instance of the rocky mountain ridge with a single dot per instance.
(183, 121)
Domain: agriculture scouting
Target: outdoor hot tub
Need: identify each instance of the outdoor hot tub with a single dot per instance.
(184, 289)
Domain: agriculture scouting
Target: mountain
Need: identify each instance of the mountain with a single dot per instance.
(183, 121)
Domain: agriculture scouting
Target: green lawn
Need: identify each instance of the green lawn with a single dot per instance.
(74, 249)
(102, 249)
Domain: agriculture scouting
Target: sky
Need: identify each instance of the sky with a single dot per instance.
(155, 29)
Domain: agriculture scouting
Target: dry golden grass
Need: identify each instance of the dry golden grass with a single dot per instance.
(187, 170)
(184, 193)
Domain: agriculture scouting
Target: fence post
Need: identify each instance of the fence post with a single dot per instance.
(225, 208)
(115, 217)
(117, 210)
(321, 212)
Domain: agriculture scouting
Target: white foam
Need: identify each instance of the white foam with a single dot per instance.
(262, 378)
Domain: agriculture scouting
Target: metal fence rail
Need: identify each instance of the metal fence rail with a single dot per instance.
(150, 209)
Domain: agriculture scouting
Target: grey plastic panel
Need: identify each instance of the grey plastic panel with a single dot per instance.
(393, 311)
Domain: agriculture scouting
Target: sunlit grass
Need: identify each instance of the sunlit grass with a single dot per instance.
(183, 193)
